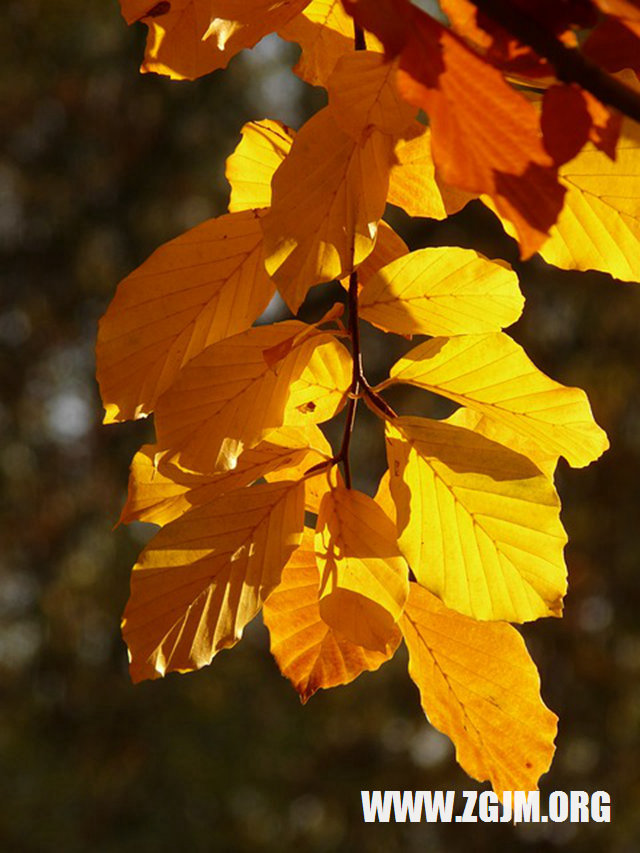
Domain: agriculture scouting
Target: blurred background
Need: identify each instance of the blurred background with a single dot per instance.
(98, 166)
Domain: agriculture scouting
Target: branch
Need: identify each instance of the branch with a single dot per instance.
(569, 64)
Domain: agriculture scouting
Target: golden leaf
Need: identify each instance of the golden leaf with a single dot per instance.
(230, 397)
(492, 374)
(364, 578)
(204, 286)
(250, 168)
(362, 94)
(204, 577)
(442, 291)
(479, 686)
(194, 37)
(479, 524)
(309, 653)
(160, 490)
(328, 196)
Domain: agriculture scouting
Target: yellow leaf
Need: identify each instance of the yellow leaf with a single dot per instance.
(328, 196)
(249, 170)
(324, 31)
(309, 653)
(160, 490)
(479, 686)
(446, 291)
(415, 184)
(323, 369)
(204, 577)
(230, 397)
(388, 247)
(364, 579)
(383, 496)
(599, 226)
(362, 94)
(204, 286)
(479, 524)
(497, 431)
(190, 38)
(492, 374)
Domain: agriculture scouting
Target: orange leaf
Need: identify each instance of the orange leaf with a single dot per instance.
(328, 196)
(249, 170)
(309, 653)
(189, 38)
(160, 490)
(485, 136)
(479, 686)
(363, 93)
(203, 577)
(204, 286)
(364, 578)
(229, 398)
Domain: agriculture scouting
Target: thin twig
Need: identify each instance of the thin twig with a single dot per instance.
(569, 64)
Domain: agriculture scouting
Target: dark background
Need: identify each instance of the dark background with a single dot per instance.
(98, 166)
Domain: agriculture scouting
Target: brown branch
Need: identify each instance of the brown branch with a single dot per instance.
(569, 64)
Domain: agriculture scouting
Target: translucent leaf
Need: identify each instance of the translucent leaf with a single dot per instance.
(479, 686)
(364, 579)
(229, 397)
(492, 374)
(160, 490)
(363, 93)
(249, 170)
(415, 184)
(328, 196)
(309, 653)
(189, 38)
(442, 291)
(479, 524)
(324, 32)
(204, 286)
(204, 577)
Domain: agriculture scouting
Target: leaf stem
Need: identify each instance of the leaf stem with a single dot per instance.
(569, 64)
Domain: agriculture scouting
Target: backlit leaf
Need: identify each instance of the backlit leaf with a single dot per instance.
(363, 93)
(204, 286)
(193, 37)
(309, 653)
(249, 170)
(492, 374)
(324, 31)
(228, 398)
(485, 136)
(442, 291)
(479, 686)
(328, 196)
(478, 524)
(160, 490)
(415, 184)
(204, 577)
(363, 577)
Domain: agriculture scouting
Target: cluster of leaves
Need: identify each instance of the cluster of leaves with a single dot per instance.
(463, 535)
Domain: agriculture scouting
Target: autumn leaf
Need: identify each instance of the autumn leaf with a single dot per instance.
(442, 291)
(324, 31)
(478, 524)
(328, 196)
(479, 686)
(363, 577)
(363, 94)
(415, 184)
(203, 577)
(492, 374)
(160, 490)
(228, 398)
(309, 653)
(189, 38)
(249, 170)
(204, 286)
